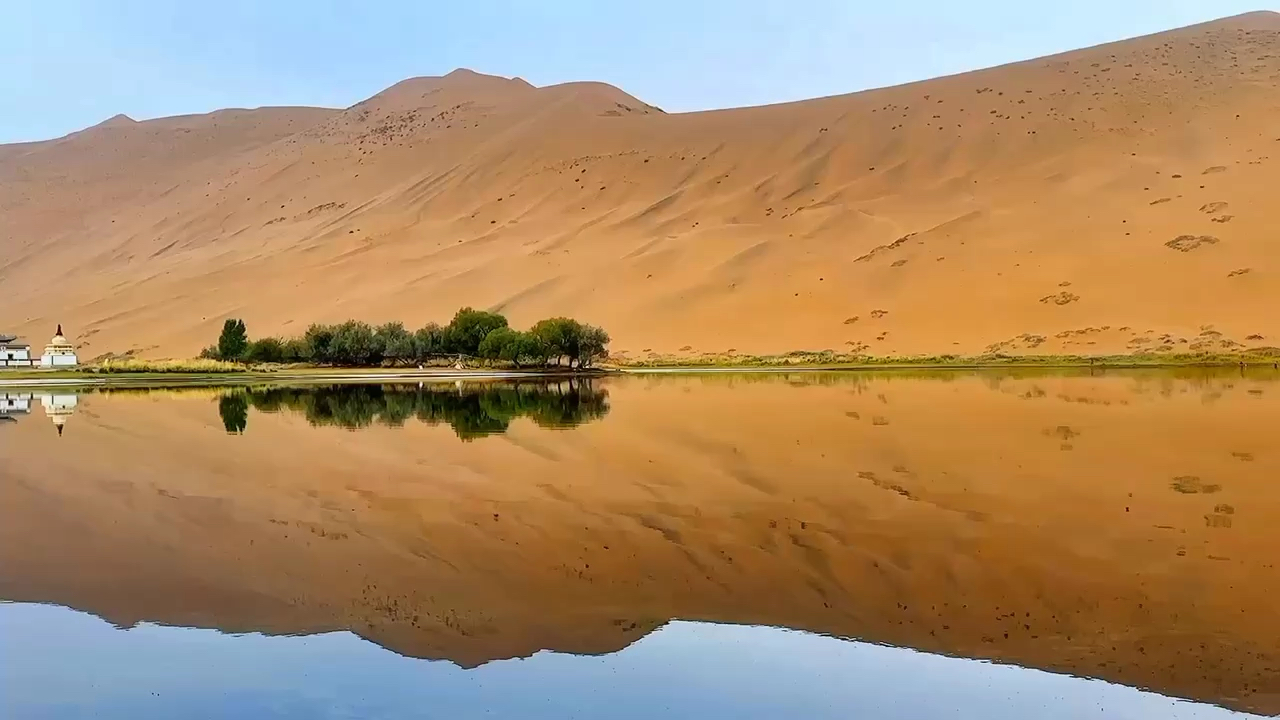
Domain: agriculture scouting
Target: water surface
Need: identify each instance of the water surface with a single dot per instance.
(719, 545)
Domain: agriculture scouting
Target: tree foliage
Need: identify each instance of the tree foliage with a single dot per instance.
(470, 327)
(569, 339)
(233, 341)
(472, 333)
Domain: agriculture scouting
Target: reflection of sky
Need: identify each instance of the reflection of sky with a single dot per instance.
(59, 663)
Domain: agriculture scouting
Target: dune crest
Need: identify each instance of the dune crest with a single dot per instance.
(1038, 207)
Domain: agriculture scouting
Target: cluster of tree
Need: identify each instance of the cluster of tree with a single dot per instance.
(472, 333)
(472, 411)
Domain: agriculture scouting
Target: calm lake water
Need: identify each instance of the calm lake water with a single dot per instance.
(949, 545)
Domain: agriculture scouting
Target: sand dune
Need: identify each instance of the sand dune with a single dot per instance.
(1106, 200)
(1121, 527)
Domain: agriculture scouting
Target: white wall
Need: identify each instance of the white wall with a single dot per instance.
(12, 357)
(51, 361)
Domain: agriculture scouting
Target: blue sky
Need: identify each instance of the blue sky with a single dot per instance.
(67, 64)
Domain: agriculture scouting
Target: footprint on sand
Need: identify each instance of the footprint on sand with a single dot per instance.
(1187, 243)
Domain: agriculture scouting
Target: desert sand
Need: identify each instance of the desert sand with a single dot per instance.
(1108, 200)
(1121, 527)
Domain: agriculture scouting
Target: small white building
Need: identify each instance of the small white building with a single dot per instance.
(14, 353)
(15, 404)
(59, 353)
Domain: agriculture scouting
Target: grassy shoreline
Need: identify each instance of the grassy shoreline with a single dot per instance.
(177, 373)
(246, 376)
(182, 373)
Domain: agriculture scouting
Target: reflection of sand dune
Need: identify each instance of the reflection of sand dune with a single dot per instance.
(1107, 200)
(1032, 520)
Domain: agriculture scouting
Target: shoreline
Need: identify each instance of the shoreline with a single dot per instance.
(748, 365)
(319, 375)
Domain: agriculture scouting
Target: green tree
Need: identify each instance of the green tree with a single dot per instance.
(354, 344)
(429, 342)
(294, 350)
(396, 343)
(593, 344)
(233, 341)
(525, 348)
(470, 327)
(318, 342)
(495, 344)
(561, 335)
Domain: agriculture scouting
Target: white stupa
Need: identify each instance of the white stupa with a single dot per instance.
(59, 353)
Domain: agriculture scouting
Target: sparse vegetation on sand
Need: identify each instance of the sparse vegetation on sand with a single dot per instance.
(475, 334)
(201, 366)
(1258, 356)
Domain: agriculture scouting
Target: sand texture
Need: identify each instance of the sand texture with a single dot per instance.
(1114, 199)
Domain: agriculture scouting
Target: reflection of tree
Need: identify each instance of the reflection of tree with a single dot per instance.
(472, 411)
(234, 410)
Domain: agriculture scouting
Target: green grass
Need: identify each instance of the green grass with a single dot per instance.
(173, 373)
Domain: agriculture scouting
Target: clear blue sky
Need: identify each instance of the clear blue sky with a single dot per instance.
(67, 64)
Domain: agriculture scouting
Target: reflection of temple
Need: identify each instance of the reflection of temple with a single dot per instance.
(13, 405)
(58, 408)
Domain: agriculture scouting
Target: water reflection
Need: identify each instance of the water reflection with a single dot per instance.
(1121, 526)
(58, 407)
(75, 666)
(473, 410)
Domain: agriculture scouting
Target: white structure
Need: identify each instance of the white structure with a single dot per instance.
(13, 353)
(14, 404)
(58, 408)
(59, 353)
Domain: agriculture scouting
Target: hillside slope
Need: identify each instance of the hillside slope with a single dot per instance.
(1106, 200)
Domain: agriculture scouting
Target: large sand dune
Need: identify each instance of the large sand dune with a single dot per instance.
(1107, 200)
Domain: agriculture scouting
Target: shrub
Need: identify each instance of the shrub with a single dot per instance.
(265, 350)
(131, 365)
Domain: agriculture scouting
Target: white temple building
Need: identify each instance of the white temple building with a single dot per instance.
(59, 353)
(14, 353)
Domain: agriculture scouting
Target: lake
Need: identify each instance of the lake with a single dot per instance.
(826, 545)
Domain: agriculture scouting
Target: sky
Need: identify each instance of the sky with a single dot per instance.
(75, 665)
(68, 64)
